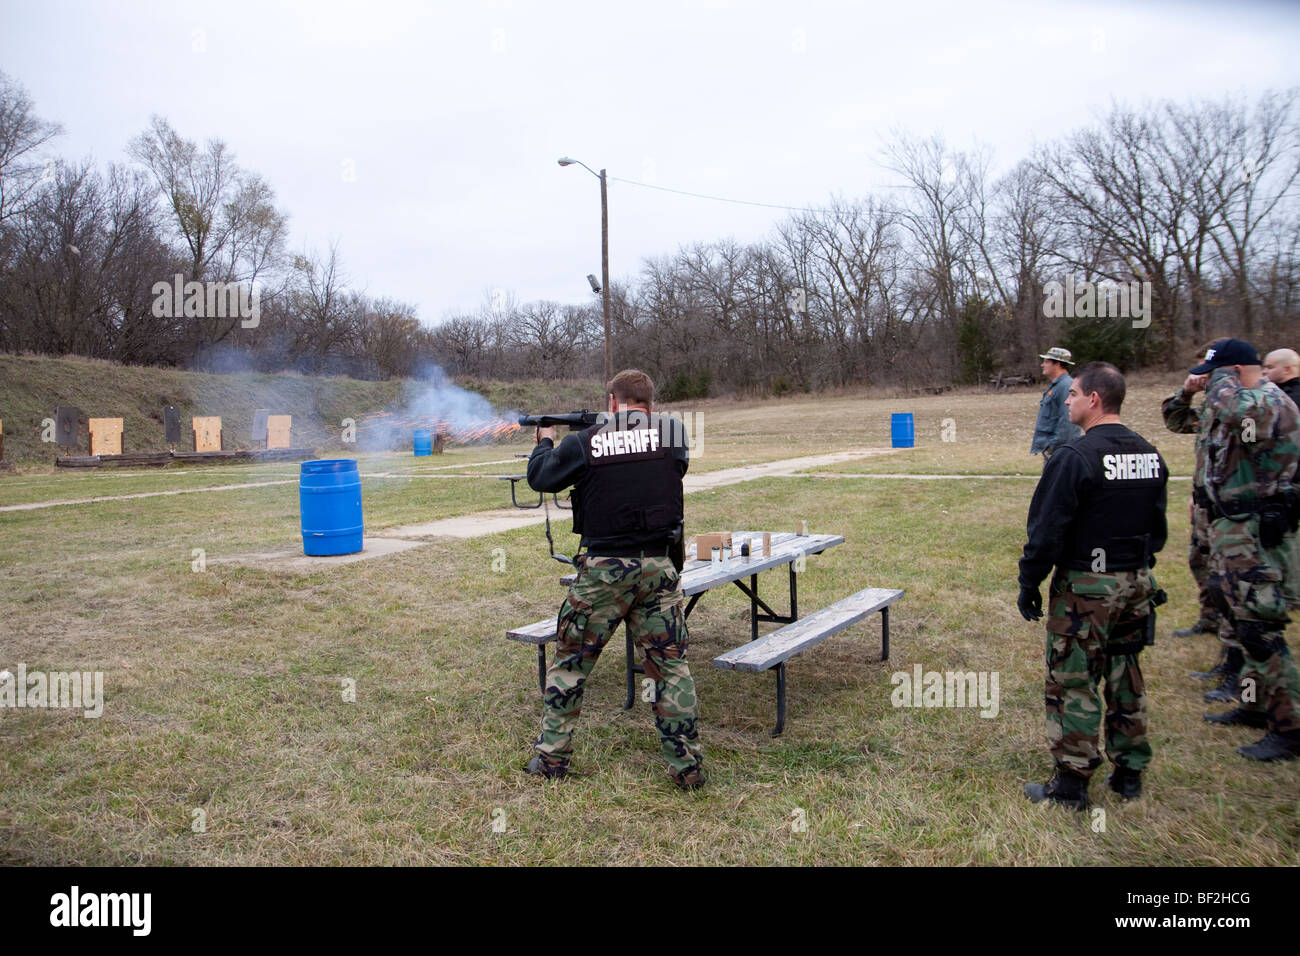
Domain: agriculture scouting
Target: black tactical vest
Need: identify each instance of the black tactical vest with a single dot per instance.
(631, 492)
(1117, 504)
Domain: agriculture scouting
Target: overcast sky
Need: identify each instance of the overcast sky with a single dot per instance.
(423, 136)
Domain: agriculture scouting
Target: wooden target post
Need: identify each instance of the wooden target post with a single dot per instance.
(106, 436)
(207, 433)
(278, 428)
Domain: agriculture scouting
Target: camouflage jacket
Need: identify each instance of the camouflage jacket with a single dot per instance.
(1252, 438)
(1185, 418)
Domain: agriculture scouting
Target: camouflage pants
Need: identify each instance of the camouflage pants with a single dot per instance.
(645, 592)
(1091, 619)
(1291, 582)
(1198, 559)
(1248, 584)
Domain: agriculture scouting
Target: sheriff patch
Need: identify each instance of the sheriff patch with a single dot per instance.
(620, 443)
(1131, 467)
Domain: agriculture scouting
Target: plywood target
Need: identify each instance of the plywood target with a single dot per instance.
(277, 431)
(207, 433)
(106, 436)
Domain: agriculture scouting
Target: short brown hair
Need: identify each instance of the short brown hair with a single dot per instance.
(1107, 381)
(632, 387)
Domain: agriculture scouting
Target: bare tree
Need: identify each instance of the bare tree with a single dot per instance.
(22, 136)
(1024, 239)
(849, 245)
(1109, 196)
(224, 218)
(1259, 164)
(937, 204)
(326, 313)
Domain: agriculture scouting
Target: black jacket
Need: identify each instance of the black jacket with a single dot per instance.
(552, 468)
(1292, 389)
(1103, 491)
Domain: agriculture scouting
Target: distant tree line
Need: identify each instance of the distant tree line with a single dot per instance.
(83, 250)
(947, 279)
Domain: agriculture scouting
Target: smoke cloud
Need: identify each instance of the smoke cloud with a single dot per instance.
(435, 402)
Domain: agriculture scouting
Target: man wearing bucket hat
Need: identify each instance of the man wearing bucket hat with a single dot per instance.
(1253, 450)
(1053, 428)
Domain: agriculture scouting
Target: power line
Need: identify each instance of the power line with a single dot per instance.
(738, 202)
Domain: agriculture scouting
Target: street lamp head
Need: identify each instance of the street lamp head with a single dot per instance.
(595, 285)
(566, 161)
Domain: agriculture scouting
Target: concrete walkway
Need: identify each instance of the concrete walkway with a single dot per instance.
(507, 519)
(36, 505)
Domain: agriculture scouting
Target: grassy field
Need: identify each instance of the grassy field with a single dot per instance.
(224, 703)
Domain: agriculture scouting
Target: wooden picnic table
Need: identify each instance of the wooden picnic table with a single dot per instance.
(699, 576)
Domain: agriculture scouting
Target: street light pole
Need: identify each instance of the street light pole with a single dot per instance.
(604, 277)
(604, 259)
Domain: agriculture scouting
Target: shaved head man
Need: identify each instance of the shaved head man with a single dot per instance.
(1282, 366)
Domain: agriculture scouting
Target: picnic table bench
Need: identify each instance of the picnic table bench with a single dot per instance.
(773, 650)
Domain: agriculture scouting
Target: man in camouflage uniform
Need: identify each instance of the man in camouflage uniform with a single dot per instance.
(1184, 418)
(626, 475)
(1282, 368)
(1098, 517)
(1253, 449)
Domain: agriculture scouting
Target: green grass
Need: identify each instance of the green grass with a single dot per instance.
(224, 688)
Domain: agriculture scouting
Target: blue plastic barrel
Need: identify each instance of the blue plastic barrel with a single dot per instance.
(423, 442)
(329, 496)
(901, 430)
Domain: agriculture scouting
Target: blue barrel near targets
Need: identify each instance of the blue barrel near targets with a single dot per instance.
(423, 442)
(329, 496)
(902, 431)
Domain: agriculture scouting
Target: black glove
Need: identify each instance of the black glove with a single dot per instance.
(1030, 603)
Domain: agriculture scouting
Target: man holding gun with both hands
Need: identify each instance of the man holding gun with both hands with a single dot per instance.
(626, 475)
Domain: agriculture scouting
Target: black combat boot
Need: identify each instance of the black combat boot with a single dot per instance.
(1126, 782)
(692, 778)
(1240, 717)
(1067, 789)
(1225, 693)
(1200, 627)
(1218, 671)
(1274, 746)
(1228, 691)
(540, 768)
